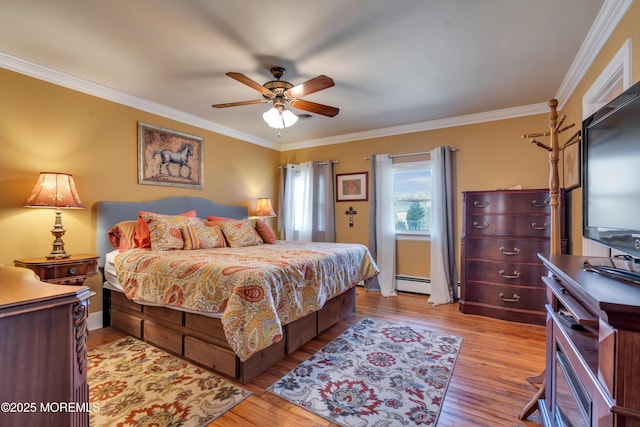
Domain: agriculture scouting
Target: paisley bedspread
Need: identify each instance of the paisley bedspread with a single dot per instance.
(258, 289)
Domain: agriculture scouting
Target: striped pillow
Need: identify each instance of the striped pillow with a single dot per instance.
(199, 236)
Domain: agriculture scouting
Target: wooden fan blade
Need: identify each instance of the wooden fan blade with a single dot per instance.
(314, 107)
(310, 86)
(251, 83)
(237, 104)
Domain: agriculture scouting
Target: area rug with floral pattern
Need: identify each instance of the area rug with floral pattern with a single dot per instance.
(132, 383)
(376, 373)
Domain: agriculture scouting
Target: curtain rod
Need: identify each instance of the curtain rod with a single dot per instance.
(333, 162)
(421, 153)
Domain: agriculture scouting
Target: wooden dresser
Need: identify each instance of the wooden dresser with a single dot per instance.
(503, 231)
(43, 353)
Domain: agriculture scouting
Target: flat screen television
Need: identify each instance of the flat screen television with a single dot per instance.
(611, 173)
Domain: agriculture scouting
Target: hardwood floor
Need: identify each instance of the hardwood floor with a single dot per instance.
(487, 388)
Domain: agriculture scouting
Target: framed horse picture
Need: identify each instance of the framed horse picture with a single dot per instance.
(167, 157)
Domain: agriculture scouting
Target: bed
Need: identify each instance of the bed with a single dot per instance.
(236, 310)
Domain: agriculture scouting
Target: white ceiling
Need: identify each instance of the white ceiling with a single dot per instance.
(397, 65)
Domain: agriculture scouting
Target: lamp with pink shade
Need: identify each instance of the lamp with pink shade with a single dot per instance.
(55, 190)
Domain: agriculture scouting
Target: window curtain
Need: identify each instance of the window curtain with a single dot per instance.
(382, 236)
(323, 204)
(444, 278)
(307, 202)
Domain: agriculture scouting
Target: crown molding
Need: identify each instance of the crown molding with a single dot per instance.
(71, 82)
(606, 22)
(490, 116)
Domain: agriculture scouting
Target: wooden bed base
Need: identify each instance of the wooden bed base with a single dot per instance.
(201, 339)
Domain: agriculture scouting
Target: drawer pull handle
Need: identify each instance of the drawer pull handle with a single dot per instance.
(515, 298)
(476, 224)
(73, 271)
(515, 251)
(515, 274)
(539, 227)
(480, 205)
(544, 204)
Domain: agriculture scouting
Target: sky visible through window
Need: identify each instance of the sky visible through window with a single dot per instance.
(412, 181)
(412, 197)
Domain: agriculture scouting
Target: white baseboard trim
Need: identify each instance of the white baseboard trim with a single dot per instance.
(417, 285)
(94, 321)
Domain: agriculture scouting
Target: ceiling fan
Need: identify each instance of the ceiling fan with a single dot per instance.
(280, 93)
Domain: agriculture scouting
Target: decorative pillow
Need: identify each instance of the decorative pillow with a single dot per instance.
(219, 218)
(141, 235)
(240, 233)
(199, 236)
(121, 235)
(215, 220)
(265, 231)
(165, 231)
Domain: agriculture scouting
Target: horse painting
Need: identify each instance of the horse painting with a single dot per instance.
(180, 157)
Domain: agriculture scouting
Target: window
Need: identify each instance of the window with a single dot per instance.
(307, 202)
(299, 188)
(412, 197)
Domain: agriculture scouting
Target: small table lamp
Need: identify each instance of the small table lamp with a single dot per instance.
(263, 208)
(55, 190)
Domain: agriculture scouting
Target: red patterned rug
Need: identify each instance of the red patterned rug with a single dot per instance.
(376, 373)
(136, 384)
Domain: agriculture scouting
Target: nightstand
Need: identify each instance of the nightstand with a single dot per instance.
(68, 271)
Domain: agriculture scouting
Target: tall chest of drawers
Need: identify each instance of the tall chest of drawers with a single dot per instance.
(503, 231)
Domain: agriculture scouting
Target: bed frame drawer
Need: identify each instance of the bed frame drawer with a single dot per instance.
(209, 326)
(126, 323)
(336, 309)
(120, 299)
(165, 314)
(301, 331)
(211, 356)
(162, 337)
(261, 361)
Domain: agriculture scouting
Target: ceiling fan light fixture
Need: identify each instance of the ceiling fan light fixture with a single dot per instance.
(279, 118)
(282, 93)
(289, 118)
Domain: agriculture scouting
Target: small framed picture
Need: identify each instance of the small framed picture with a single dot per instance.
(571, 166)
(352, 187)
(167, 157)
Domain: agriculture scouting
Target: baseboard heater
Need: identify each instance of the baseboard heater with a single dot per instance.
(418, 285)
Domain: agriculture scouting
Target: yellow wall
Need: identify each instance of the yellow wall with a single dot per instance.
(44, 127)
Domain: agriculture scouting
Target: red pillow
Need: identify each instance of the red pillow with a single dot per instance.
(265, 231)
(121, 235)
(215, 220)
(142, 237)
